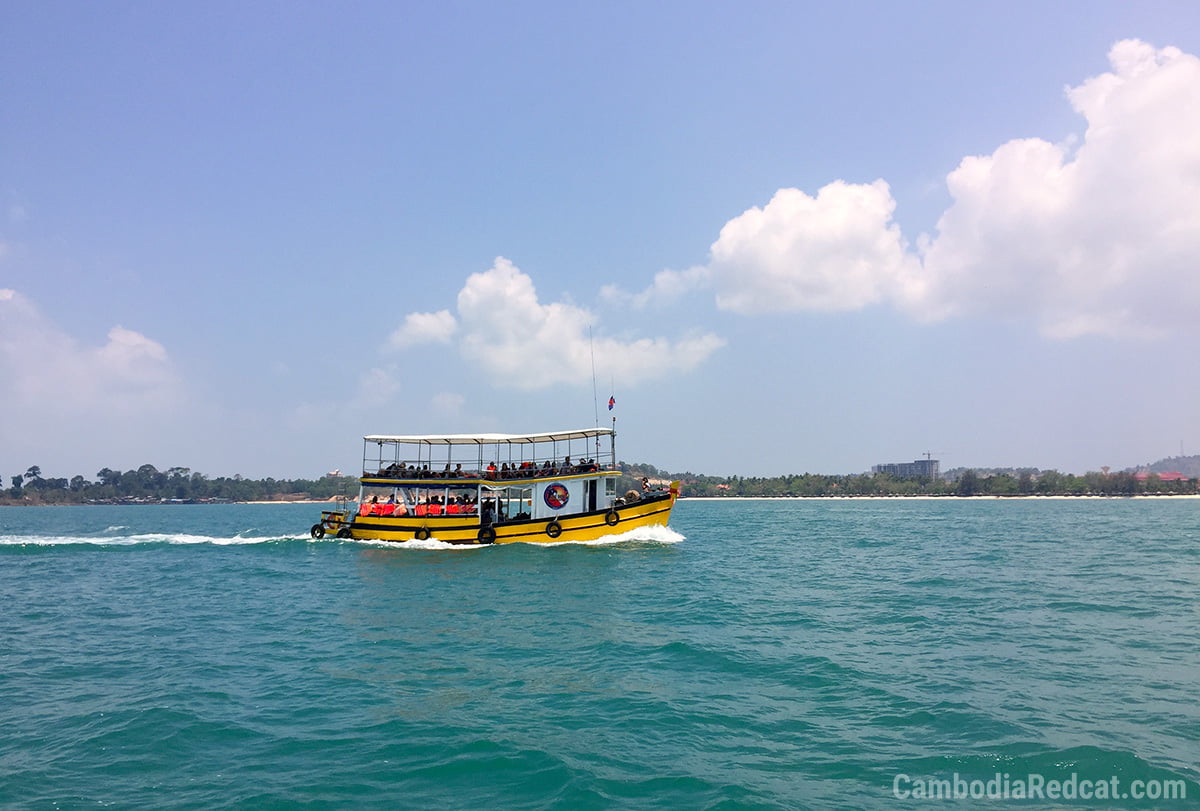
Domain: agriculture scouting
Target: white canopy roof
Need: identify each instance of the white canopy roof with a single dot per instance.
(490, 439)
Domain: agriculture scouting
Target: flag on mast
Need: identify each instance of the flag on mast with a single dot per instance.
(612, 401)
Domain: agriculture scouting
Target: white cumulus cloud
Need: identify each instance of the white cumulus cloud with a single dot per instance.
(1101, 238)
(1099, 235)
(839, 250)
(423, 328)
(48, 372)
(505, 329)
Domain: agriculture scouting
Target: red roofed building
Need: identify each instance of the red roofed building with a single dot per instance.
(1170, 476)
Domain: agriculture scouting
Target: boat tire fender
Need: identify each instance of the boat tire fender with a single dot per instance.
(611, 518)
(554, 529)
(317, 531)
(422, 534)
(487, 535)
(344, 532)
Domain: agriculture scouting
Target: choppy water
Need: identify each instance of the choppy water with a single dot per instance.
(763, 654)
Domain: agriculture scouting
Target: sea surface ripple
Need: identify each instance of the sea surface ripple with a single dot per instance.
(760, 654)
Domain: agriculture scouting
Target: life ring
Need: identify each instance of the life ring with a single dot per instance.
(554, 529)
(422, 534)
(317, 531)
(487, 535)
(344, 532)
(611, 518)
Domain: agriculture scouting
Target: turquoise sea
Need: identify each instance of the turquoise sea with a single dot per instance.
(758, 655)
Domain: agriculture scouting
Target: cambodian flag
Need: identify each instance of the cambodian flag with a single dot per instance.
(612, 401)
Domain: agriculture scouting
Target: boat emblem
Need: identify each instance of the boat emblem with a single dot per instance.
(556, 496)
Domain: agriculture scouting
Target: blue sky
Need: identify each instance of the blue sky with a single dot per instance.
(795, 237)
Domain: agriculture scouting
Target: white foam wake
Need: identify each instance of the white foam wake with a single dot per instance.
(132, 540)
(652, 535)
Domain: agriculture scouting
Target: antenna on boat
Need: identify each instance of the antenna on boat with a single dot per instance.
(612, 401)
(595, 394)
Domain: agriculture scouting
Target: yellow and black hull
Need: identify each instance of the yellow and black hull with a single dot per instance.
(652, 510)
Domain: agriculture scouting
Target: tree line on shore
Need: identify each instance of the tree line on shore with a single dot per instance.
(967, 482)
(147, 484)
(176, 484)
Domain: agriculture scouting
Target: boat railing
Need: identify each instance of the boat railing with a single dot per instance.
(404, 472)
(489, 456)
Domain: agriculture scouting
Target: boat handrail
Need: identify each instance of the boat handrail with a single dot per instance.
(472, 478)
(498, 456)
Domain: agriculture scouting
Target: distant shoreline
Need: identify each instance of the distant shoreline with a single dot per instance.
(290, 501)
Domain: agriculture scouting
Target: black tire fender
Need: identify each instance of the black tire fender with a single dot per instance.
(422, 534)
(554, 529)
(487, 535)
(317, 531)
(612, 518)
(344, 532)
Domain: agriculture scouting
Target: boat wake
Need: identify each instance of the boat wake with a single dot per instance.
(657, 534)
(168, 538)
(642, 536)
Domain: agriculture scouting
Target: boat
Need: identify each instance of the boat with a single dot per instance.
(482, 489)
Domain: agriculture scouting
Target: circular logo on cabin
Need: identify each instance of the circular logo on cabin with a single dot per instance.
(556, 496)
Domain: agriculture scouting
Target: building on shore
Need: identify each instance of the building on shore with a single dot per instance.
(1167, 476)
(918, 469)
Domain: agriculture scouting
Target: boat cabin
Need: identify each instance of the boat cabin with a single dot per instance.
(498, 477)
